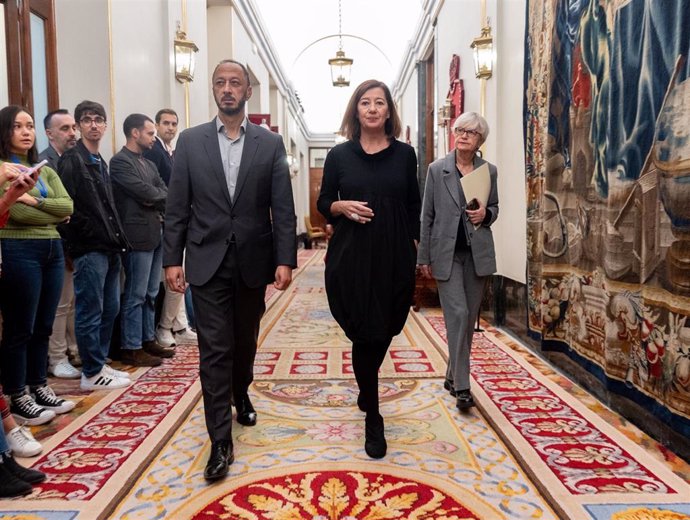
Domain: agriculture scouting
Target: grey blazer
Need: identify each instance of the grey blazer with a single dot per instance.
(201, 218)
(442, 208)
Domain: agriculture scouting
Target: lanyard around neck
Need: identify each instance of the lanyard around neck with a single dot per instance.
(40, 185)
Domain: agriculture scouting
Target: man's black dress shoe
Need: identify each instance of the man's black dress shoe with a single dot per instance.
(448, 385)
(464, 400)
(246, 415)
(220, 459)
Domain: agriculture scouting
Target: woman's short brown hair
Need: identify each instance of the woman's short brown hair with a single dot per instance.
(350, 127)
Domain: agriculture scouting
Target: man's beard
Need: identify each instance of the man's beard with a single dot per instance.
(232, 111)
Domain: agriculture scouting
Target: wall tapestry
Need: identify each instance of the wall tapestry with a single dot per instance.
(607, 133)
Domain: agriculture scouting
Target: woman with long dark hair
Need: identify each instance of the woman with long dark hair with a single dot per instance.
(32, 274)
(370, 195)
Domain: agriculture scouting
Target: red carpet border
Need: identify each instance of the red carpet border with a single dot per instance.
(83, 464)
(576, 458)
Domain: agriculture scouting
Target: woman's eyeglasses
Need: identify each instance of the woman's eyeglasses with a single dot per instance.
(465, 131)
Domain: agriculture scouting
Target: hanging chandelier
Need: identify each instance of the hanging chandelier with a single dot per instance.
(340, 65)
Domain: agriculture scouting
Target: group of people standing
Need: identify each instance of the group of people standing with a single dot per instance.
(66, 239)
(228, 221)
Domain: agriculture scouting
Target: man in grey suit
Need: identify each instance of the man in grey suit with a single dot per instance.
(230, 205)
(61, 130)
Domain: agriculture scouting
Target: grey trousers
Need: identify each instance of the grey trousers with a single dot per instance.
(461, 296)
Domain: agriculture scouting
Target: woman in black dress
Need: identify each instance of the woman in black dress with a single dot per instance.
(370, 195)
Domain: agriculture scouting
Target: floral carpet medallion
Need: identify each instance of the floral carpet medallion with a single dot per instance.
(336, 495)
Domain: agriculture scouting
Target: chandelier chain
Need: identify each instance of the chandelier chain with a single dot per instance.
(340, 26)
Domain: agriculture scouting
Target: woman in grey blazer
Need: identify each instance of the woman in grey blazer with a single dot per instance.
(456, 246)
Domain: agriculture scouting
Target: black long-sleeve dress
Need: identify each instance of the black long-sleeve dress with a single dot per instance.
(370, 268)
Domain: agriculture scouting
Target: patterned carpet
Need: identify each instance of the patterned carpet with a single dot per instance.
(535, 447)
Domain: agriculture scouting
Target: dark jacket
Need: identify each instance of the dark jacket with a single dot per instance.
(140, 196)
(51, 156)
(201, 219)
(95, 224)
(159, 156)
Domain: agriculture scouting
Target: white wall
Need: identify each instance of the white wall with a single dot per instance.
(510, 231)
(408, 105)
(140, 77)
(83, 57)
(457, 24)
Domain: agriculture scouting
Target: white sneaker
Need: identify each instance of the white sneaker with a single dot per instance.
(64, 370)
(22, 443)
(186, 336)
(103, 381)
(116, 373)
(165, 337)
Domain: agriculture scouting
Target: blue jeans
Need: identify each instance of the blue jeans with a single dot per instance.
(96, 304)
(32, 275)
(4, 447)
(189, 307)
(142, 281)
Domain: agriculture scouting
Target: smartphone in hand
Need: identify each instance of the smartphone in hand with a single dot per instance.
(35, 170)
(473, 205)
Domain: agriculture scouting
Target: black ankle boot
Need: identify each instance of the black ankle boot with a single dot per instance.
(10, 485)
(374, 439)
(360, 402)
(26, 474)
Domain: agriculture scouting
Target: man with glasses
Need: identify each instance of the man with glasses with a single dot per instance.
(95, 240)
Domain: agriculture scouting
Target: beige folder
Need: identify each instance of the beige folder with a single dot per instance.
(477, 185)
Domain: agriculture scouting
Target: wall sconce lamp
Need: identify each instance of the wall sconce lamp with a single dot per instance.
(483, 47)
(184, 56)
(293, 165)
(444, 113)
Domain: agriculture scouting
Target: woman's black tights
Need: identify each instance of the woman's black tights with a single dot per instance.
(367, 357)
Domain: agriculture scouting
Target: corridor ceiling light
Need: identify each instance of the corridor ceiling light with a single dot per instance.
(184, 56)
(483, 47)
(340, 65)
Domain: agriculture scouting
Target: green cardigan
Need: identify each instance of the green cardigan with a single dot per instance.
(29, 222)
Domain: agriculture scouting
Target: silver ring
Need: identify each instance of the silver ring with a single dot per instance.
(354, 216)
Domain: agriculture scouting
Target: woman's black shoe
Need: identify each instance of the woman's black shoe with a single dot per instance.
(464, 400)
(10, 485)
(26, 474)
(374, 439)
(448, 385)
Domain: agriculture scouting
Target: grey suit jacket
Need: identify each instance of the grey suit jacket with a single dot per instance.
(443, 207)
(51, 155)
(201, 217)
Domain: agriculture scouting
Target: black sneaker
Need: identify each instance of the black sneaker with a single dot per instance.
(45, 397)
(29, 475)
(26, 411)
(464, 399)
(12, 486)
